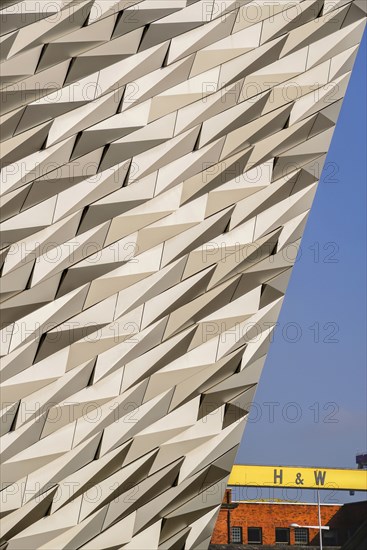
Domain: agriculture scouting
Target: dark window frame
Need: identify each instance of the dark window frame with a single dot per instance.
(240, 532)
(297, 531)
(260, 531)
(334, 533)
(285, 530)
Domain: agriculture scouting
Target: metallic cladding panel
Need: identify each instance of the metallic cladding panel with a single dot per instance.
(159, 161)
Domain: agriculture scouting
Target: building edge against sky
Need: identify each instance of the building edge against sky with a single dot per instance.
(317, 421)
(158, 167)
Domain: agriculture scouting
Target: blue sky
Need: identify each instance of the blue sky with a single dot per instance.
(324, 371)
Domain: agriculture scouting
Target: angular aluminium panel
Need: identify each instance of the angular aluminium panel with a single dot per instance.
(159, 161)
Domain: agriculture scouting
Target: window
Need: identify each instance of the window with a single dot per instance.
(301, 535)
(254, 535)
(236, 534)
(330, 538)
(281, 535)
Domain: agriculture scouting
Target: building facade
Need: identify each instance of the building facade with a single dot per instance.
(270, 523)
(159, 162)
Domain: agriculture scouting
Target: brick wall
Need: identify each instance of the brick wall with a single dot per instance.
(220, 533)
(268, 516)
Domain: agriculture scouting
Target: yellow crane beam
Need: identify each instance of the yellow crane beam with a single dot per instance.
(248, 475)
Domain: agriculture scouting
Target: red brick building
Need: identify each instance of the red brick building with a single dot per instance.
(269, 523)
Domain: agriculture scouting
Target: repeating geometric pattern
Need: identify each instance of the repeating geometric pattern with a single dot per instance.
(159, 161)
